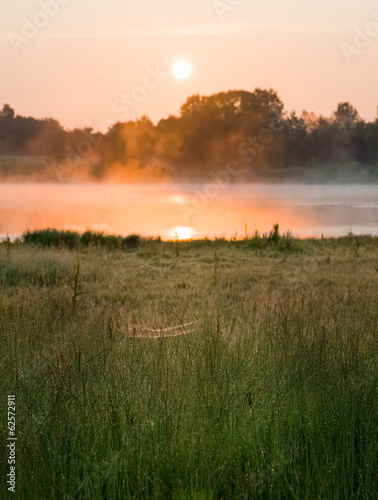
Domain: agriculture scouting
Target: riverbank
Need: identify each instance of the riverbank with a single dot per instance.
(48, 170)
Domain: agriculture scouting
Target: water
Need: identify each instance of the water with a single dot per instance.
(190, 211)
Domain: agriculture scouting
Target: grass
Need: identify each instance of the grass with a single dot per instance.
(72, 239)
(272, 394)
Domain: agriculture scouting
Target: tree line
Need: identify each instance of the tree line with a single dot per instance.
(250, 128)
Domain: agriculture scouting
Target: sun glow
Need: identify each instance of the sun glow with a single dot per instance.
(182, 233)
(178, 198)
(182, 70)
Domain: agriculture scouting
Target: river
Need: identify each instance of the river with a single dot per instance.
(190, 211)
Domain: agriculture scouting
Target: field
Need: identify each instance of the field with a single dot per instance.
(268, 392)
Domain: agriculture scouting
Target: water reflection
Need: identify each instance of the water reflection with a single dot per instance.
(167, 210)
(181, 233)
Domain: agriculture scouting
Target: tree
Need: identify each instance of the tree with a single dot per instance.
(346, 115)
(6, 121)
(7, 112)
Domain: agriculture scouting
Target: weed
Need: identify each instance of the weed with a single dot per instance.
(8, 246)
(75, 283)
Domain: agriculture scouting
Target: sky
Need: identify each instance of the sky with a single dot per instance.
(96, 62)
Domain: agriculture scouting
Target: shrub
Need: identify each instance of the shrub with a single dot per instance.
(112, 242)
(52, 237)
(91, 238)
(131, 242)
(274, 235)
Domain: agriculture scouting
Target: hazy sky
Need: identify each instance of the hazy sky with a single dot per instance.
(91, 54)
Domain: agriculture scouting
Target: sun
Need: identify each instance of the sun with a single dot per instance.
(182, 70)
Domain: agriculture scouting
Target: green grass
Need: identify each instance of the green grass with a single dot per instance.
(72, 239)
(272, 393)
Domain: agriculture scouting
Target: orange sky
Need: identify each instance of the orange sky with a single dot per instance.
(88, 56)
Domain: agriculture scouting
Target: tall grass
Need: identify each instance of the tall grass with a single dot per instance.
(272, 396)
(72, 239)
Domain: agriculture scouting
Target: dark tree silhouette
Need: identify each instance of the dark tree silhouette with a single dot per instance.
(207, 133)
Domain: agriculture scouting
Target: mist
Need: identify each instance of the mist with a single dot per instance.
(249, 129)
(190, 210)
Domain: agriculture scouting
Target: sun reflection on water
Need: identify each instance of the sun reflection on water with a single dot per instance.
(174, 211)
(182, 233)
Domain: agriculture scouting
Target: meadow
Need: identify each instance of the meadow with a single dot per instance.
(268, 391)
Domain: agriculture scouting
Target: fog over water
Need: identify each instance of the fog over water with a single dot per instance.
(190, 211)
